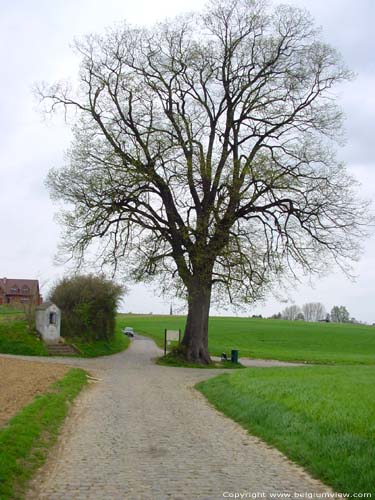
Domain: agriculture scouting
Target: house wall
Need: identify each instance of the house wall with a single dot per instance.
(16, 299)
(19, 299)
(16, 291)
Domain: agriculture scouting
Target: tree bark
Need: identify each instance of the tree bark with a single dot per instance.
(195, 338)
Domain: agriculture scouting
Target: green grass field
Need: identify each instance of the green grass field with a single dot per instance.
(9, 310)
(320, 417)
(272, 339)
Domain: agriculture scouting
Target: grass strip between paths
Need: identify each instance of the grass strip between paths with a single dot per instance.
(174, 361)
(27, 437)
(320, 417)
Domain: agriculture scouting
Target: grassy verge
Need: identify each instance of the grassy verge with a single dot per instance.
(27, 437)
(176, 361)
(321, 417)
(15, 338)
(10, 310)
(119, 343)
(325, 343)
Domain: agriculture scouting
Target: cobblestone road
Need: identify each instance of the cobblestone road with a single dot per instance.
(141, 432)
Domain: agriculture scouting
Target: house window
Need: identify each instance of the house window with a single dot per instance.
(25, 289)
(14, 289)
(24, 300)
(52, 318)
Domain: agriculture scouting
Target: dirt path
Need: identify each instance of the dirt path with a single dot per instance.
(21, 381)
(143, 432)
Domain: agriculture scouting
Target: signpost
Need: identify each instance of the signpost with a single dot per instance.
(169, 336)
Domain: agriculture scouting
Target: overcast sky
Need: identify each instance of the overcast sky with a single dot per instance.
(35, 40)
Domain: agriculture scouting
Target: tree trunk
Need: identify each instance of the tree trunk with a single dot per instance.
(196, 331)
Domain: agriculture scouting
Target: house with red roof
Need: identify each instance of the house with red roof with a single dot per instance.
(19, 291)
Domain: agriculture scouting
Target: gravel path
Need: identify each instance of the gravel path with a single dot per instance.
(141, 432)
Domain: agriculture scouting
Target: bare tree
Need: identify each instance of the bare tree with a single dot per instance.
(292, 312)
(202, 155)
(313, 311)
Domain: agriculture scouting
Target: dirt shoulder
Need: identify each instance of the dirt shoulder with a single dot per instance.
(21, 380)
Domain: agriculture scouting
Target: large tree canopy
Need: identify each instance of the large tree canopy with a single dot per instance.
(203, 154)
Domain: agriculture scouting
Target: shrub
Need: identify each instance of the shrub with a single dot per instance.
(88, 306)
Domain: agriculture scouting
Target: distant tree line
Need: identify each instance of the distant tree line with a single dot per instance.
(315, 311)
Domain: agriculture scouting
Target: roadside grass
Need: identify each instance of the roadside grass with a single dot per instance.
(327, 343)
(16, 338)
(27, 437)
(171, 359)
(92, 349)
(320, 417)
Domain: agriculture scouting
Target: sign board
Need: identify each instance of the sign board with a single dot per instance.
(170, 336)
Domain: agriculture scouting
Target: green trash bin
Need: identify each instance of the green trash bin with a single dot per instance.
(234, 356)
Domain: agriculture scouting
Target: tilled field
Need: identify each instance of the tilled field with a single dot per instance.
(21, 380)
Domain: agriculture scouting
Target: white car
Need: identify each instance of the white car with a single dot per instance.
(128, 331)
